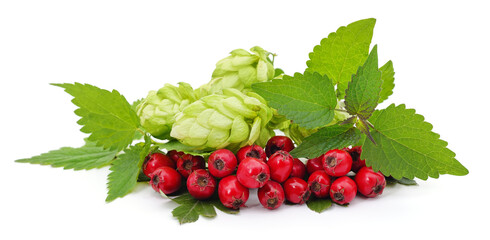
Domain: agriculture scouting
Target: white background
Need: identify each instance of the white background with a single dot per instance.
(440, 52)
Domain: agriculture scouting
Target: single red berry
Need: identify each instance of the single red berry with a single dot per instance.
(314, 164)
(296, 190)
(254, 151)
(370, 183)
(277, 143)
(188, 163)
(232, 193)
(299, 169)
(154, 161)
(343, 190)
(174, 155)
(253, 173)
(271, 195)
(280, 165)
(319, 183)
(336, 162)
(201, 184)
(165, 179)
(355, 154)
(222, 163)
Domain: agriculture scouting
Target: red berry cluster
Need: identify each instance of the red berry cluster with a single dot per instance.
(277, 175)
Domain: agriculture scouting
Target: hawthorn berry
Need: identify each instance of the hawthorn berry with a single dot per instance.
(174, 155)
(222, 163)
(253, 173)
(187, 163)
(280, 164)
(370, 183)
(343, 190)
(319, 183)
(271, 195)
(277, 143)
(296, 190)
(254, 151)
(165, 179)
(314, 164)
(201, 184)
(336, 162)
(355, 154)
(154, 161)
(299, 169)
(232, 193)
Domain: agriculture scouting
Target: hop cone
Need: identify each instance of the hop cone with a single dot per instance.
(157, 111)
(240, 70)
(228, 120)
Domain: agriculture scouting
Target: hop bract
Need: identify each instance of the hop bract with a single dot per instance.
(157, 111)
(240, 70)
(228, 120)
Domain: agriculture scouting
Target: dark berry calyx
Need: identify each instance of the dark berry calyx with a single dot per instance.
(331, 162)
(316, 187)
(378, 188)
(253, 154)
(262, 177)
(305, 196)
(219, 164)
(202, 181)
(275, 148)
(338, 196)
(237, 203)
(188, 164)
(272, 202)
(155, 180)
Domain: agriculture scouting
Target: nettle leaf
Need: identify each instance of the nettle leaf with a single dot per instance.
(362, 95)
(325, 139)
(180, 147)
(190, 208)
(85, 157)
(106, 116)
(319, 204)
(125, 170)
(406, 146)
(340, 54)
(388, 78)
(308, 100)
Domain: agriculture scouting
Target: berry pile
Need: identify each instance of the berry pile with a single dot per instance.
(277, 175)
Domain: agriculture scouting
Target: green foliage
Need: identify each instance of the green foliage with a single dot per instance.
(388, 77)
(319, 204)
(407, 147)
(308, 100)
(190, 209)
(107, 116)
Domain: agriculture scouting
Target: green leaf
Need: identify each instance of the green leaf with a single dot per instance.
(388, 77)
(190, 208)
(319, 204)
(86, 157)
(106, 116)
(125, 170)
(308, 100)
(180, 147)
(362, 95)
(406, 146)
(342, 52)
(404, 181)
(327, 138)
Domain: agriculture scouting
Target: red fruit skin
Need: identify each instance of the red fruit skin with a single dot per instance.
(280, 165)
(253, 173)
(254, 151)
(319, 183)
(343, 190)
(355, 154)
(174, 155)
(277, 143)
(187, 163)
(296, 190)
(201, 184)
(370, 183)
(154, 161)
(232, 193)
(336, 162)
(165, 179)
(314, 164)
(222, 163)
(299, 169)
(271, 195)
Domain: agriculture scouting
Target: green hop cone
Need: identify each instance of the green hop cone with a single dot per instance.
(157, 111)
(228, 120)
(240, 70)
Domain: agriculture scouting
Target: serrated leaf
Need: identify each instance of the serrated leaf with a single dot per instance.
(319, 204)
(190, 208)
(125, 170)
(388, 78)
(403, 181)
(106, 116)
(362, 95)
(327, 138)
(407, 147)
(308, 100)
(180, 147)
(342, 52)
(86, 157)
